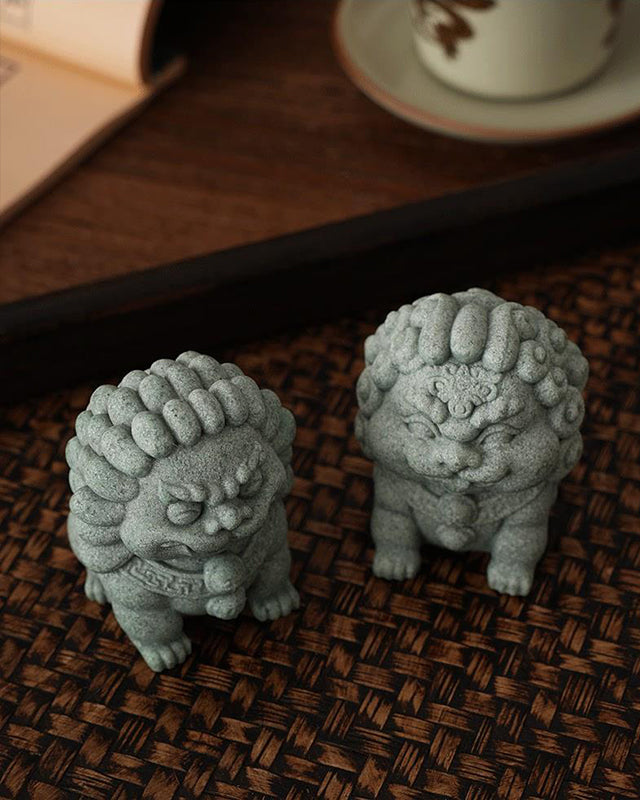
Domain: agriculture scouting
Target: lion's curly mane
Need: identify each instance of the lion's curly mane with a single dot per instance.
(125, 429)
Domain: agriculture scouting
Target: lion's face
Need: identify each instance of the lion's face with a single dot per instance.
(204, 499)
(464, 429)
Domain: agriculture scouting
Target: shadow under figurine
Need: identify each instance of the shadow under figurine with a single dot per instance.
(470, 407)
(178, 478)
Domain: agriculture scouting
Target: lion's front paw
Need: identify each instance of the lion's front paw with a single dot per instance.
(94, 589)
(515, 579)
(165, 656)
(396, 565)
(227, 606)
(224, 574)
(278, 604)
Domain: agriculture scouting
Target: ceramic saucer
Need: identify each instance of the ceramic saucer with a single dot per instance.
(374, 44)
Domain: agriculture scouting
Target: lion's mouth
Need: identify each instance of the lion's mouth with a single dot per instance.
(215, 543)
(171, 550)
(464, 480)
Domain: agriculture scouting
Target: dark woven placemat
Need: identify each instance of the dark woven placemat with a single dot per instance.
(435, 687)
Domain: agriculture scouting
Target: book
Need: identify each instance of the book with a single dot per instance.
(71, 72)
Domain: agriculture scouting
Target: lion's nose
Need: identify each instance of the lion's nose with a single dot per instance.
(457, 456)
(226, 517)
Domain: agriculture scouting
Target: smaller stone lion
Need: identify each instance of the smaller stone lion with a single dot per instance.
(178, 478)
(470, 407)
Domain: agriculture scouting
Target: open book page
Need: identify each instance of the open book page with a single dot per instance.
(54, 108)
(111, 37)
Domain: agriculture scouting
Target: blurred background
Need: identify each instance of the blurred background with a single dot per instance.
(250, 166)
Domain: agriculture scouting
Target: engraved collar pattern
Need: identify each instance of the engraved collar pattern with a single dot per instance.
(161, 579)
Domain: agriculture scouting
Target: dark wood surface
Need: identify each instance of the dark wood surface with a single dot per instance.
(421, 690)
(184, 307)
(264, 136)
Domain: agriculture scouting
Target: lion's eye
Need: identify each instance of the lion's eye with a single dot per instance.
(184, 512)
(420, 429)
(250, 488)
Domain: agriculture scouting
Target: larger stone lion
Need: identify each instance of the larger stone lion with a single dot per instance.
(178, 478)
(470, 407)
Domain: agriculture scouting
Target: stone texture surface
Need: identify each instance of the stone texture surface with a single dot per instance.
(178, 477)
(470, 407)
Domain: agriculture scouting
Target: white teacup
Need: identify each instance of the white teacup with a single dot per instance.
(515, 49)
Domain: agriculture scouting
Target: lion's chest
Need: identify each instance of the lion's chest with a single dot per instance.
(432, 512)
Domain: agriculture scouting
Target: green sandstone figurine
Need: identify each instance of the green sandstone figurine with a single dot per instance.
(470, 407)
(178, 478)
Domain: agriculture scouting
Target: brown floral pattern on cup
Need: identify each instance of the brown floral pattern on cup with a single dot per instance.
(441, 21)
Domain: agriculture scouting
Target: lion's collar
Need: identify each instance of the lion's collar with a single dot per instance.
(172, 582)
(162, 579)
(465, 509)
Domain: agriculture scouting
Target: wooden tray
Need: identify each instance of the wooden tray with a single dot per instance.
(267, 158)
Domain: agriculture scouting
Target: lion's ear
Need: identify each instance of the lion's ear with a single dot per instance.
(175, 492)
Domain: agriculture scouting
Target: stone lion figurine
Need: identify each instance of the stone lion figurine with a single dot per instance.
(178, 478)
(470, 407)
